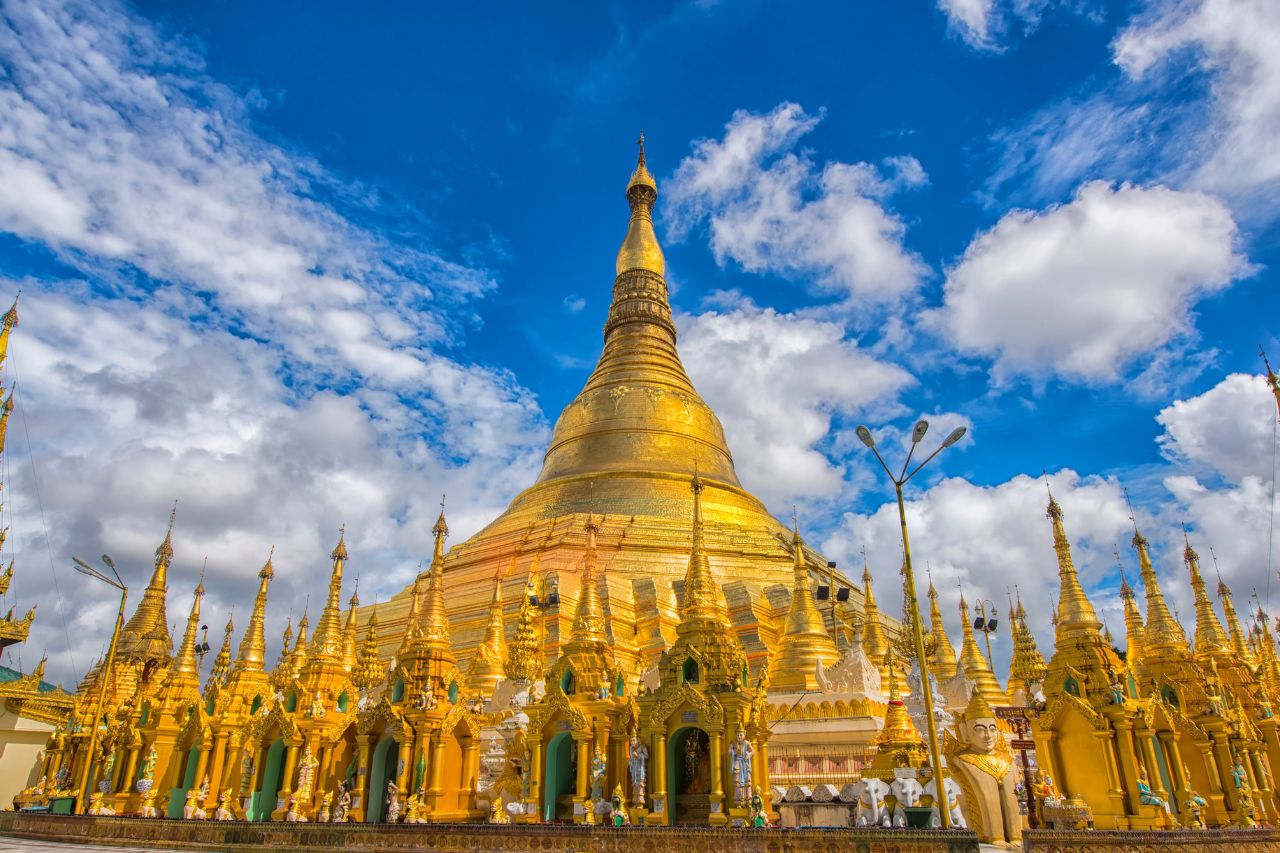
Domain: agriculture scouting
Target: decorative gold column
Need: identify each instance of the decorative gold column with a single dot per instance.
(1173, 760)
(1148, 740)
(1222, 758)
(533, 804)
(437, 770)
(404, 760)
(290, 767)
(362, 773)
(323, 772)
(1128, 764)
(470, 776)
(130, 769)
(717, 770)
(659, 781)
(202, 764)
(421, 752)
(583, 745)
(215, 775)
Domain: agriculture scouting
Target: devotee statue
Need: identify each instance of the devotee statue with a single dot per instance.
(343, 807)
(756, 815)
(598, 769)
(306, 776)
(1145, 796)
(393, 803)
(982, 762)
(741, 753)
(637, 763)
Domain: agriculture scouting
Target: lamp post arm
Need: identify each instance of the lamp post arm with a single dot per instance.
(104, 677)
(880, 459)
(927, 460)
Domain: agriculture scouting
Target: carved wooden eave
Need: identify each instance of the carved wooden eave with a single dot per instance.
(459, 714)
(670, 700)
(15, 630)
(257, 726)
(556, 705)
(385, 717)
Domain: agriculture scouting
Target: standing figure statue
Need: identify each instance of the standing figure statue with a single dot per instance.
(306, 777)
(149, 764)
(393, 803)
(637, 763)
(598, 769)
(741, 753)
(343, 806)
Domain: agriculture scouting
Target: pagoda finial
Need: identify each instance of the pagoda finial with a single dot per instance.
(253, 646)
(487, 666)
(1239, 647)
(186, 663)
(1272, 380)
(1163, 631)
(524, 658)
(435, 619)
(1210, 638)
(942, 663)
(7, 324)
(875, 642)
(1075, 612)
(222, 663)
(640, 249)
(369, 672)
(326, 646)
(805, 642)
(701, 595)
(975, 665)
(588, 621)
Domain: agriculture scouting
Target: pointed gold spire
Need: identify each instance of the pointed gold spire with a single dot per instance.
(702, 599)
(146, 635)
(435, 619)
(805, 642)
(283, 672)
(1238, 645)
(326, 646)
(1027, 664)
(1075, 612)
(222, 663)
(369, 671)
(1135, 630)
(1211, 639)
(524, 658)
(487, 666)
(942, 664)
(899, 732)
(7, 324)
(186, 663)
(349, 631)
(252, 656)
(4, 420)
(588, 620)
(975, 665)
(640, 249)
(1163, 633)
(875, 641)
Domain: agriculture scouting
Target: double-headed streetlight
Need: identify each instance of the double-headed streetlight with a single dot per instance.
(935, 755)
(104, 677)
(986, 623)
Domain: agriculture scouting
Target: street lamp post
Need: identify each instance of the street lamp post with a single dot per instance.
(105, 675)
(935, 754)
(987, 625)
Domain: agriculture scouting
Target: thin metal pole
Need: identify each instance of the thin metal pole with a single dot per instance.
(935, 754)
(83, 805)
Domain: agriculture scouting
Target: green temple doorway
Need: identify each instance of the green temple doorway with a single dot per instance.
(558, 780)
(382, 769)
(689, 778)
(187, 777)
(263, 801)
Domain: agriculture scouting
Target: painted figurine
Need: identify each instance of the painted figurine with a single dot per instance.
(741, 753)
(637, 763)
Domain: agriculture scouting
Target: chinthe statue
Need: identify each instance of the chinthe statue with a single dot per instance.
(982, 762)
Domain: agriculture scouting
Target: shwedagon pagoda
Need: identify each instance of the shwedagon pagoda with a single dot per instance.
(637, 640)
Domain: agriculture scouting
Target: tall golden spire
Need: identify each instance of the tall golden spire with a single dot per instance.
(487, 666)
(146, 635)
(1238, 645)
(942, 664)
(435, 619)
(7, 324)
(702, 599)
(524, 658)
(805, 642)
(1211, 640)
(1075, 612)
(326, 645)
(299, 658)
(186, 663)
(875, 642)
(640, 249)
(1163, 633)
(588, 620)
(369, 672)
(1027, 664)
(349, 631)
(222, 663)
(283, 672)
(253, 646)
(4, 420)
(975, 665)
(1135, 630)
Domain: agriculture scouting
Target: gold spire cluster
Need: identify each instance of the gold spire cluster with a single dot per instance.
(942, 663)
(1027, 664)
(805, 642)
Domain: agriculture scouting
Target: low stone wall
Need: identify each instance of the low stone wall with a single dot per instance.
(543, 838)
(1176, 841)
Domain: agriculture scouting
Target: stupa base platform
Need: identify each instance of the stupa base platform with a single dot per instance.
(1152, 841)
(544, 838)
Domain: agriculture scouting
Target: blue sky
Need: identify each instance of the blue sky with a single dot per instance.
(297, 265)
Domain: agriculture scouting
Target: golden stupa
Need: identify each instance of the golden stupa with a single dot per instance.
(624, 450)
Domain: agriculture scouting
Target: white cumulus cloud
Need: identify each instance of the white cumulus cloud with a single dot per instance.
(772, 209)
(1084, 289)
